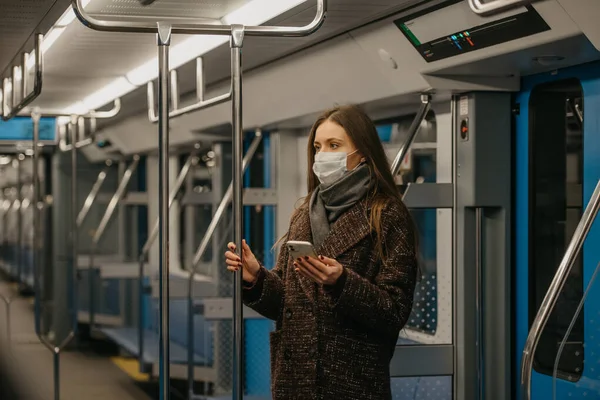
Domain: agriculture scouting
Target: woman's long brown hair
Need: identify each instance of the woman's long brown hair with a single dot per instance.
(362, 132)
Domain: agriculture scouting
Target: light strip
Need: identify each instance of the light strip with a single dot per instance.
(254, 13)
(113, 90)
(69, 15)
(180, 54)
(52, 36)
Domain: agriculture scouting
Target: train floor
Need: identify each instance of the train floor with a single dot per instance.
(26, 366)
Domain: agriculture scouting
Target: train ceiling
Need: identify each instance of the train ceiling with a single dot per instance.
(82, 61)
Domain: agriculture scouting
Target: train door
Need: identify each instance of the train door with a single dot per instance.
(557, 169)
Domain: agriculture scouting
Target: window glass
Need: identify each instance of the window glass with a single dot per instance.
(555, 207)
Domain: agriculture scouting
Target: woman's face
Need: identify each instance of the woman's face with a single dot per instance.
(330, 137)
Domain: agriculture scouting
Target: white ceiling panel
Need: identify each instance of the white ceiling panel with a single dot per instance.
(198, 9)
(82, 61)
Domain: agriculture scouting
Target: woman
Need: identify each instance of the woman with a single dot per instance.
(339, 315)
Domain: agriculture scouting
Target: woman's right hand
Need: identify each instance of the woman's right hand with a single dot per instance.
(251, 266)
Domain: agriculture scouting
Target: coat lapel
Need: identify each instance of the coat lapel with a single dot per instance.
(352, 227)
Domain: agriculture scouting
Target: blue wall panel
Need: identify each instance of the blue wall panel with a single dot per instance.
(588, 386)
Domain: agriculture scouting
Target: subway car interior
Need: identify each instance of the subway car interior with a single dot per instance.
(139, 137)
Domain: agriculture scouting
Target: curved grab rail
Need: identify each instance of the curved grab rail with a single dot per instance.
(79, 121)
(478, 7)
(556, 286)
(13, 110)
(92, 114)
(190, 25)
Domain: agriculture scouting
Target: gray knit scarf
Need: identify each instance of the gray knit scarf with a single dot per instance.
(329, 202)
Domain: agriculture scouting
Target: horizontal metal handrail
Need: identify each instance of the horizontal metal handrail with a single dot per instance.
(191, 26)
(479, 7)
(13, 110)
(91, 114)
(556, 286)
(200, 105)
(79, 122)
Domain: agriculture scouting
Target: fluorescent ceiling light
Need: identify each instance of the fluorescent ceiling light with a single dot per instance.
(47, 42)
(108, 93)
(76, 109)
(50, 38)
(180, 54)
(254, 13)
(257, 12)
(65, 120)
(66, 19)
(69, 15)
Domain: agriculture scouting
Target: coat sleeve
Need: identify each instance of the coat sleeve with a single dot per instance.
(384, 304)
(266, 294)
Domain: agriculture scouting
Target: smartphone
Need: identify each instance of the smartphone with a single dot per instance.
(301, 249)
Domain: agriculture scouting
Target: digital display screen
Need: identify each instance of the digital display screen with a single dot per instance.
(21, 129)
(450, 30)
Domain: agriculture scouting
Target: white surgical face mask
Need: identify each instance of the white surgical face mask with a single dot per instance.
(330, 166)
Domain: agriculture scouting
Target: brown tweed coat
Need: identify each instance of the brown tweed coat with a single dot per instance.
(336, 342)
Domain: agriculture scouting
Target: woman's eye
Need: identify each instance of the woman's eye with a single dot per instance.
(334, 146)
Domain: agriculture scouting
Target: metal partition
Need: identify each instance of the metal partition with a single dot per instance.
(191, 162)
(164, 26)
(558, 282)
(206, 239)
(99, 232)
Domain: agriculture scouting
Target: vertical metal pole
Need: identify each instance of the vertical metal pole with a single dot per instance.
(7, 302)
(479, 299)
(164, 40)
(74, 208)
(454, 240)
(237, 38)
(35, 116)
(19, 258)
(24, 74)
(56, 359)
(8, 327)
